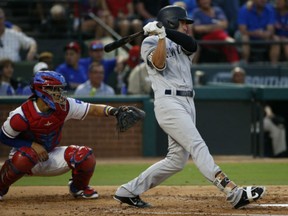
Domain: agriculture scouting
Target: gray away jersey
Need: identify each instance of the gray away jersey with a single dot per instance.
(177, 72)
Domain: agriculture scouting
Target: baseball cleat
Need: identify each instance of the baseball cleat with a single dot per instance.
(87, 193)
(250, 194)
(132, 201)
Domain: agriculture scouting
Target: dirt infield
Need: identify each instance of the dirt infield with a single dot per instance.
(166, 200)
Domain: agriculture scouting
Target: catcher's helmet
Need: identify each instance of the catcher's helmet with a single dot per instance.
(49, 86)
(170, 16)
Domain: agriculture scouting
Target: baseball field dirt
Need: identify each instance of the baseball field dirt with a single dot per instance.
(166, 200)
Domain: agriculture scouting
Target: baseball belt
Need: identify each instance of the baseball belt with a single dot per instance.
(180, 93)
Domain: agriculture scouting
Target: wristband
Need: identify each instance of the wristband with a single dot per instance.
(109, 110)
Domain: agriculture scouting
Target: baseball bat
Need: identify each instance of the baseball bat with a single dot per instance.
(118, 43)
(111, 31)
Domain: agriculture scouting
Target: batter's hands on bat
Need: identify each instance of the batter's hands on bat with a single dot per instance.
(152, 28)
(41, 152)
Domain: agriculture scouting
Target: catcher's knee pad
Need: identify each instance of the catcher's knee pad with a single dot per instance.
(80, 158)
(24, 159)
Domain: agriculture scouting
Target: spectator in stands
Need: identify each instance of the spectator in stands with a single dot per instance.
(238, 75)
(7, 68)
(94, 86)
(58, 22)
(184, 5)
(11, 25)
(200, 78)
(73, 72)
(39, 66)
(88, 25)
(42, 10)
(189, 5)
(210, 23)
(119, 78)
(138, 81)
(125, 19)
(148, 9)
(48, 58)
(96, 54)
(273, 124)
(256, 21)
(281, 25)
(6, 73)
(230, 9)
(11, 42)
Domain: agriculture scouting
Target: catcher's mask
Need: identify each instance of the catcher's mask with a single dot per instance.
(49, 86)
(171, 15)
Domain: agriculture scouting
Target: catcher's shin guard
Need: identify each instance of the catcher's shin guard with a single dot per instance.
(13, 169)
(82, 162)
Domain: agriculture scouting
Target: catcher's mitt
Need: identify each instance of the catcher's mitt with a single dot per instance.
(127, 117)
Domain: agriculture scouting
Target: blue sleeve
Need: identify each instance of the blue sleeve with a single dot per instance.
(220, 13)
(272, 17)
(109, 65)
(241, 16)
(16, 143)
(58, 68)
(10, 90)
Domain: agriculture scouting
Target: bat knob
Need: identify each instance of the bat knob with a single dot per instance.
(159, 24)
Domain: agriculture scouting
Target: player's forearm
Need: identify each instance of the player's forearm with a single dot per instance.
(221, 24)
(185, 41)
(159, 55)
(32, 52)
(101, 110)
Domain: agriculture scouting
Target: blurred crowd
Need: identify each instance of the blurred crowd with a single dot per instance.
(227, 31)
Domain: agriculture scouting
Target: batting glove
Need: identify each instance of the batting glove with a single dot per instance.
(152, 28)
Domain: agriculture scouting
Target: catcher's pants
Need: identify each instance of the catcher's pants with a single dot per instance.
(55, 165)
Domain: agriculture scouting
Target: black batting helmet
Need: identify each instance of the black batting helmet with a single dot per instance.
(170, 16)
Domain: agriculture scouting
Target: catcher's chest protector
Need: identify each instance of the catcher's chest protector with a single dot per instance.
(43, 128)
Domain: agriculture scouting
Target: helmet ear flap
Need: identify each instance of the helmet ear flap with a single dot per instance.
(174, 24)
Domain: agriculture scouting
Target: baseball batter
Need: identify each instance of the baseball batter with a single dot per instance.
(168, 53)
(34, 132)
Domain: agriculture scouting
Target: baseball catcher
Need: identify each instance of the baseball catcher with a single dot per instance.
(34, 129)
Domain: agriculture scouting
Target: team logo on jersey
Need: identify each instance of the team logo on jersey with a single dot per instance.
(48, 124)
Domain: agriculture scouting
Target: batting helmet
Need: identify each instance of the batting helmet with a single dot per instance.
(171, 15)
